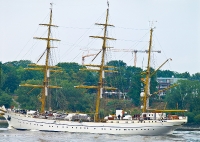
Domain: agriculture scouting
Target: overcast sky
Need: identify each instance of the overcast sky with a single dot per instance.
(176, 33)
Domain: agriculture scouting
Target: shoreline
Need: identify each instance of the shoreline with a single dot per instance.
(189, 128)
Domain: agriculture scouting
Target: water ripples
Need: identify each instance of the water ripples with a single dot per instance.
(11, 135)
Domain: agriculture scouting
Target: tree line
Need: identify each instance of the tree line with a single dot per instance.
(127, 79)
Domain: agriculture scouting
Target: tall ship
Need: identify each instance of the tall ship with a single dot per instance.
(149, 122)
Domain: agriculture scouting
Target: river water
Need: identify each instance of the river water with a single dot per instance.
(7, 135)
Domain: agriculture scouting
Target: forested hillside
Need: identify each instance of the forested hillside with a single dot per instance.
(128, 81)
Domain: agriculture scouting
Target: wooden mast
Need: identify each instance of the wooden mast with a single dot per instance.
(101, 67)
(45, 68)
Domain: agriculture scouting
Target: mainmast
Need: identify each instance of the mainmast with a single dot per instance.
(45, 68)
(101, 67)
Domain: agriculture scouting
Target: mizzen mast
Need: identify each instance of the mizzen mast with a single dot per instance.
(101, 68)
(146, 94)
(47, 68)
(147, 79)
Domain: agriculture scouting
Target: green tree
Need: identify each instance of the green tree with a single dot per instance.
(185, 96)
(28, 97)
(165, 73)
(70, 98)
(183, 75)
(5, 100)
(195, 76)
(135, 84)
(197, 119)
(11, 83)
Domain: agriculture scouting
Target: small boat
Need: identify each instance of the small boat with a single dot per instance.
(149, 122)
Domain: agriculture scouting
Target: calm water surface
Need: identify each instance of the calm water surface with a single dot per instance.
(7, 135)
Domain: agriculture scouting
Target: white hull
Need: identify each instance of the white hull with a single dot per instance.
(134, 127)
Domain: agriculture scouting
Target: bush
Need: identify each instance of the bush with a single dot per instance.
(5, 100)
(197, 119)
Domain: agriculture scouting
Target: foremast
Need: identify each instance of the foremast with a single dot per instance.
(101, 68)
(47, 68)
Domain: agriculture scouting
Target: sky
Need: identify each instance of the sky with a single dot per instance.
(176, 25)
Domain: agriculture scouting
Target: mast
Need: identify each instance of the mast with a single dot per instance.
(101, 67)
(146, 94)
(146, 81)
(45, 68)
(101, 72)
